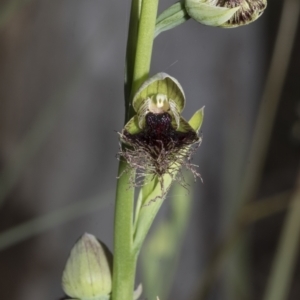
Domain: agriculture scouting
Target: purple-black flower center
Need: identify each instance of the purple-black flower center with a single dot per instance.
(159, 134)
(159, 148)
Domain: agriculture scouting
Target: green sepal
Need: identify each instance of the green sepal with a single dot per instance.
(90, 262)
(160, 83)
(197, 119)
(132, 126)
(170, 18)
(208, 14)
(184, 126)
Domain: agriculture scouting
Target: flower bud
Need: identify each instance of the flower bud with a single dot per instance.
(225, 13)
(88, 272)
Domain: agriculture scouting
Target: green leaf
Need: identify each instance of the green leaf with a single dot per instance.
(161, 251)
(170, 18)
(150, 206)
(145, 191)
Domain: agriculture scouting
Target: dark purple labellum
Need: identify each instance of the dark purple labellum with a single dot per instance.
(159, 134)
(159, 146)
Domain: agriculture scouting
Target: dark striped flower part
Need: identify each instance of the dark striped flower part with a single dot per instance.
(225, 13)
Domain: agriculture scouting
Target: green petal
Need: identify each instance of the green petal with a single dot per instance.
(132, 125)
(208, 14)
(197, 119)
(184, 126)
(160, 83)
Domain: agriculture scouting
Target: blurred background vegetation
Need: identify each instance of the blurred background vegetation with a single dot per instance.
(235, 236)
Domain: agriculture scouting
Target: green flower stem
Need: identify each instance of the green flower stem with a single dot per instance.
(145, 43)
(124, 260)
(130, 54)
(124, 256)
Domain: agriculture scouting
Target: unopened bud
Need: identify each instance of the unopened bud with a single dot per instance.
(88, 272)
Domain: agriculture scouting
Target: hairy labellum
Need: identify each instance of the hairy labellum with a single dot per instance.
(159, 140)
(249, 10)
(160, 149)
(225, 13)
(159, 134)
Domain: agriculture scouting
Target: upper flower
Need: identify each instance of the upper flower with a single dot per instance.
(159, 136)
(225, 13)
